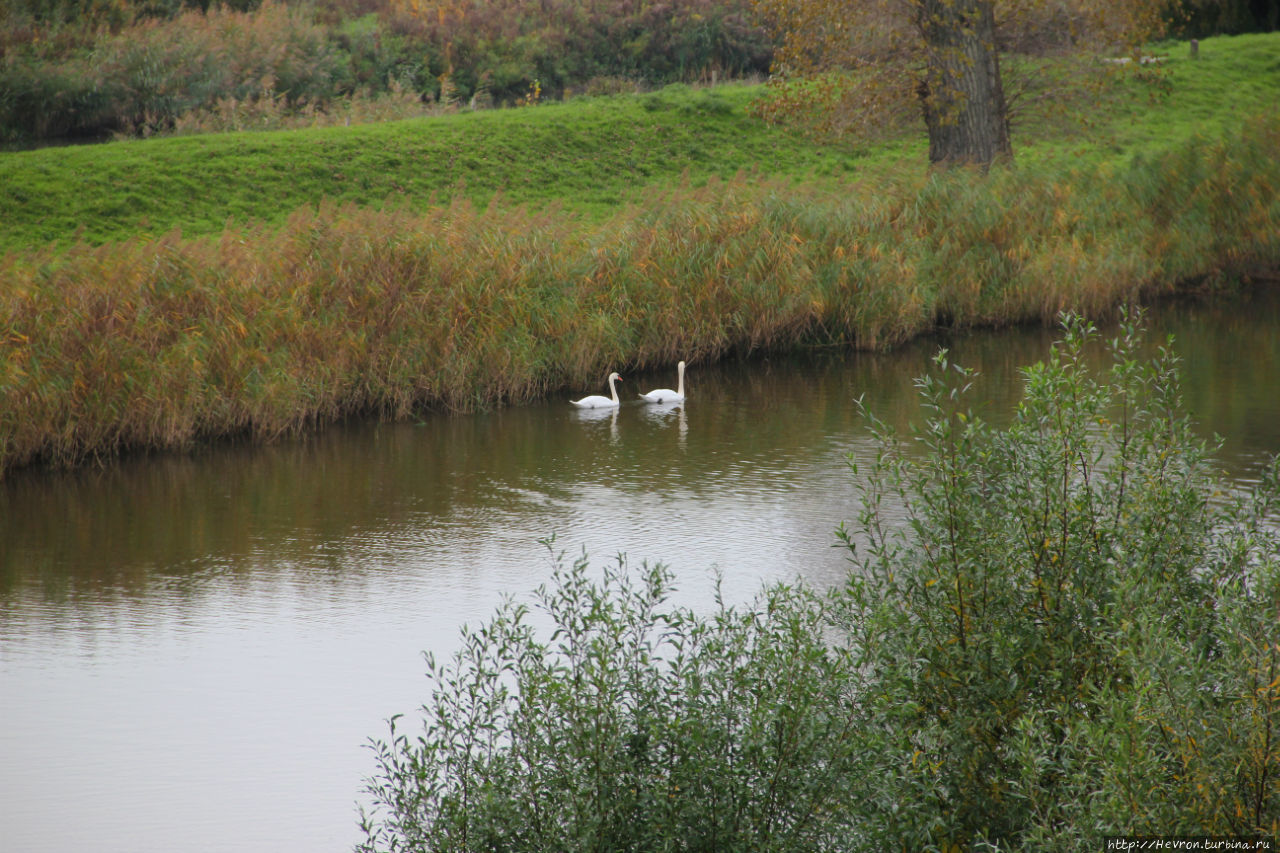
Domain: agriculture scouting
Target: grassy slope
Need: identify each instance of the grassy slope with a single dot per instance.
(1234, 76)
(590, 154)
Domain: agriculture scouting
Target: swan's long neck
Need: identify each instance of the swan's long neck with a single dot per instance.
(613, 389)
(680, 379)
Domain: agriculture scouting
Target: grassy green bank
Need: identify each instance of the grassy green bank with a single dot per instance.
(589, 155)
(270, 312)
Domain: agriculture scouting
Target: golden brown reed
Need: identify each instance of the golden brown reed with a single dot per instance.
(343, 311)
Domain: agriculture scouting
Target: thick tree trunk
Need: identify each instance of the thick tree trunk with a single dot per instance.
(961, 92)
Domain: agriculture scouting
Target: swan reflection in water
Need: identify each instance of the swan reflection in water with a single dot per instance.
(663, 414)
(599, 416)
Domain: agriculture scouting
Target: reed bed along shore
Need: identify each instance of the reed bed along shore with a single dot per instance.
(159, 343)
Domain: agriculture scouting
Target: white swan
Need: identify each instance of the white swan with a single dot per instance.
(666, 395)
(596, 401)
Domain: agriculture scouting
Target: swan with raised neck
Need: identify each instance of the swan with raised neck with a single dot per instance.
(597, 401)
(666, 395)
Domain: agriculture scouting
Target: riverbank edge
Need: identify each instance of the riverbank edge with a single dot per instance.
(160, 344)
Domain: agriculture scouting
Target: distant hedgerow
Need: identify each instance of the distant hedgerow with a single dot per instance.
(139, 68)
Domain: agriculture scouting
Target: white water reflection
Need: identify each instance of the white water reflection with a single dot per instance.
(194, 649)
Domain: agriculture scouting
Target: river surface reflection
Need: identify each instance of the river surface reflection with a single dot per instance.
(193, 649)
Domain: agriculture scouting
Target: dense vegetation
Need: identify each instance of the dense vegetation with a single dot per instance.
(263, 329)
(89, 67)
(1074, 636)
(138, 67)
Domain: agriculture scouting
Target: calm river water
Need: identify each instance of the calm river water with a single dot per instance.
(194, 649)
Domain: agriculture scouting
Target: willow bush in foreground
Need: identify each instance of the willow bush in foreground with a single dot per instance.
(1074, 634)
(637, 725)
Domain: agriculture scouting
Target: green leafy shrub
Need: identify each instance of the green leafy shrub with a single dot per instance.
(164, 69)
(141, 78)
(39, 100)
(1074, 633)
(637, 726)
(505, 46)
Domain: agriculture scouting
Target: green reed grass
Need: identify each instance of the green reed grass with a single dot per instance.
(157, 343)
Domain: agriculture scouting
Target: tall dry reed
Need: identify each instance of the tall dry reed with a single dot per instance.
(160, 343)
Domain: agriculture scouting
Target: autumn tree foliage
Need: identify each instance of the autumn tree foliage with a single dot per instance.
(858, 66)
